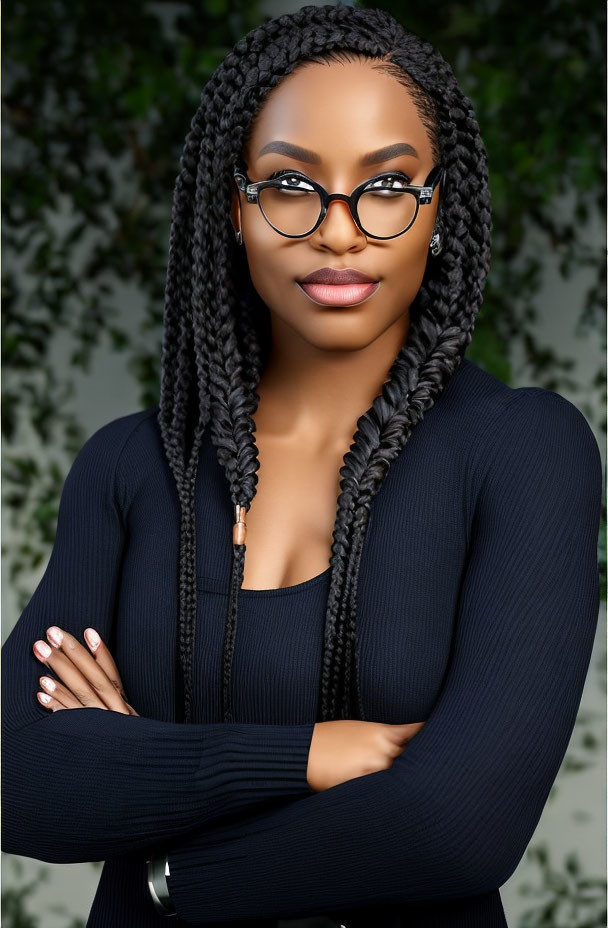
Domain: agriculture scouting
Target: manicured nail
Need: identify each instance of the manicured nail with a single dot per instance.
(48, 684)
(55, 635)
(44, 698)
(42, 649)
(92, 638)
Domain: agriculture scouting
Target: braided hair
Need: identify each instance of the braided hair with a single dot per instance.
(217, 331)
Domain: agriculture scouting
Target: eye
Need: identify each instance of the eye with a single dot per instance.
(293, 182)
(388, 183)
(291, 178)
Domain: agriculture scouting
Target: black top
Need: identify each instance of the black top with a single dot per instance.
(478, 603)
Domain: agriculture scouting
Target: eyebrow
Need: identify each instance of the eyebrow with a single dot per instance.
(304, 154)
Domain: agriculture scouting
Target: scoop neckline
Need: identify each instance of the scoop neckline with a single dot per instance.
(217, 586)
(289, 589)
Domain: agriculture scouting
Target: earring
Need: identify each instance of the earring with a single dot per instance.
(435, 244)
(238, 236)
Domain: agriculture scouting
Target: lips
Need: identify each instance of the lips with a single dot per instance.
(337, 277)
(340, 295)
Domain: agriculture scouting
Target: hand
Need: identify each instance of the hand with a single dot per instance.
(88, 681)
(343, 749)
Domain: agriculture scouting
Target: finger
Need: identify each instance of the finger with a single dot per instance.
(103, 659)
(48, 702)
(65, 670)
(72, 663)
(59, 694)
(103, 656)
(405, 732)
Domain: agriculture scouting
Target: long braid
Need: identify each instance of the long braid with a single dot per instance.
(213, 311)
(177, 405)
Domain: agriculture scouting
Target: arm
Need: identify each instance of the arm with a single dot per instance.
(88, 784)
(452, 816)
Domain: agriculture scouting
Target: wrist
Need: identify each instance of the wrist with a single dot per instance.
(157, 872)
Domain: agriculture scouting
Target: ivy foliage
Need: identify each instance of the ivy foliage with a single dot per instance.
(97, 100)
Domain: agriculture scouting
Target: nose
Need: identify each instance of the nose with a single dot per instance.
(341, 204)
(348, 227)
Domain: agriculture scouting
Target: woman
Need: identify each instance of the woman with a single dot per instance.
(374, 741)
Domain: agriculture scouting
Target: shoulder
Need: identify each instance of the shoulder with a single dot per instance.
(539, 455)
(519, 420)
(117, 432)
(539, 427)
(117, 451)
(110, 440)
(519, 442)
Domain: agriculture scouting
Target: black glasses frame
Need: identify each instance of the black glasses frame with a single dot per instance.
(423, 194)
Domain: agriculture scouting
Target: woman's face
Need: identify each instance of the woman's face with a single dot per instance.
(339, 113)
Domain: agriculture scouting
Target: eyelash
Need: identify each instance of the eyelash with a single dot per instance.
(284, 173)
(278, 174)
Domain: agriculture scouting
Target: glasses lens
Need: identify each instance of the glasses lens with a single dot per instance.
(385, 210)
(293, 206)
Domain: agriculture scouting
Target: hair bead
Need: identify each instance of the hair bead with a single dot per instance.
(239, 529)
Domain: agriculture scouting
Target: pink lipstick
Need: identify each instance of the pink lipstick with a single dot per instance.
(340, 294)
(333, 286)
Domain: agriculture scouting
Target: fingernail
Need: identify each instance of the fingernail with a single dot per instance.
(55, 635)
(48, 684)
(92, 638)
(42, 649)
(44, 698)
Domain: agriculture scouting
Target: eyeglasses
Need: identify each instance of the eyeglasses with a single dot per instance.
(382, 207)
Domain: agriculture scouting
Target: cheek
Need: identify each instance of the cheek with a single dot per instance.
(405, 273)
(268, 267)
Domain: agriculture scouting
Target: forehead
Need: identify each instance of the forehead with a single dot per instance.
(339, 110)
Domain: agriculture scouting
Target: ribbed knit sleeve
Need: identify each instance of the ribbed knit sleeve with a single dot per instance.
(88, 784)
(451, 818)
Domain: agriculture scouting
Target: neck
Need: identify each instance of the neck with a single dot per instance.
(317, 395)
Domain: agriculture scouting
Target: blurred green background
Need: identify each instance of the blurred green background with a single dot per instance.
(97, 100)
